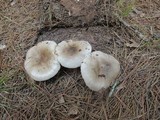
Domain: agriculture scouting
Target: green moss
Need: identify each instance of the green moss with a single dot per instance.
(125, 7)
(3, 79)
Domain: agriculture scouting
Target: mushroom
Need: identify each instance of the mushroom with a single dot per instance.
(41, 61)
(99, 70)
(71, 53)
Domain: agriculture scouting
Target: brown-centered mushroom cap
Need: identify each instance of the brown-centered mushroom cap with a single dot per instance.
(71, 53)
(41, 61)
(99, 70)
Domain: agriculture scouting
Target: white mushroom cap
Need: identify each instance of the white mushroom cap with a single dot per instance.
(99, 70)
(41, 61)
(71, 53)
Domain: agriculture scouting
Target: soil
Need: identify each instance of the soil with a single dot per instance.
(96, 36)
(75, 12)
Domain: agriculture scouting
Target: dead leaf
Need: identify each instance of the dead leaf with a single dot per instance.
(61, 99)
(140, 13)
(2, 46)
(72, 6)
(133, 44)
(73, 111)
(13, 2)
(120, 87)
(156, 43)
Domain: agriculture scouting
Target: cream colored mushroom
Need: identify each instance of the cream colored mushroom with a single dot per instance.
(99, 70)
(41, 61)
(71, 53)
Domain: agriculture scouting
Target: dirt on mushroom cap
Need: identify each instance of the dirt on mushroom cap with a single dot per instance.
(41, 62)
(42, 57)
(71, 53)
(71, 50)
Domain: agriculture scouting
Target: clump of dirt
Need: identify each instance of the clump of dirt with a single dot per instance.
(80, 8)
(97, 36)
(74, 12)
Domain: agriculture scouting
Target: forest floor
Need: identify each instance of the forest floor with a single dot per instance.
(128, 30)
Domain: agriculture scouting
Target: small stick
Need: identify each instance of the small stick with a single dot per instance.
(104, 110)
(132, 28)
(113, 88)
